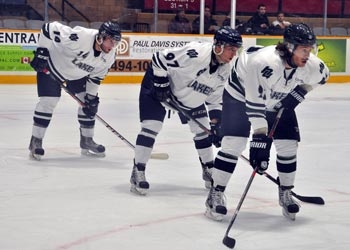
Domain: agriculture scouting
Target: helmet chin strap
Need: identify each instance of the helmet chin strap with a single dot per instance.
(221, 49)
(291, 49)
(99, 42)
(218, 59)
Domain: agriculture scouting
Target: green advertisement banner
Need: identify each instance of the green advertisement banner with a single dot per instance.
(331, 51)
(16, 49)
(16, 57)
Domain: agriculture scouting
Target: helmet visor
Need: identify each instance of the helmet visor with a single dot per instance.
(305, 50)
(111, 41)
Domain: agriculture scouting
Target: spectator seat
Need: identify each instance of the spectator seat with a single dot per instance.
(34, 24)
(318, 31)
(13, 23)
(338, 31)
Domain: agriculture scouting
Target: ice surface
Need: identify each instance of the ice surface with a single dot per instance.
(67, 201)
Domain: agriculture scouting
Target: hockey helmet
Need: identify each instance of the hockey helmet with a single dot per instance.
(299, 34)
(228, 35)
(110, 29)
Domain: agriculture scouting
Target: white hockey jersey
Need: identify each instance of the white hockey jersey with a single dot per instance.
(261, 80)
(188, 70)
(72, 55)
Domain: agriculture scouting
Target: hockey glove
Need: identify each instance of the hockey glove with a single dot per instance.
(161, 90)
(216, 137)
(259, 154)
(91, 105)
(292, 100)
(40, 60)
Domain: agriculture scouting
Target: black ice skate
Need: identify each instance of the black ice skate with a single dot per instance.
(91, 148)
(36, 149)
(138, 182)
(216, 204)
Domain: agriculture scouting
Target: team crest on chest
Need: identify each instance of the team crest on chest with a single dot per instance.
(267, 72)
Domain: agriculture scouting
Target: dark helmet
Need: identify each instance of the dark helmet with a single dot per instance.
(228, 35)
(299, 34)
(110, 29)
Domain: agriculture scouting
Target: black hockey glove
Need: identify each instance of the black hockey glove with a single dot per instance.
(161, 91)
(91, 105)
(216, 136)
(40, 60)
(259, 154)
(292, 100)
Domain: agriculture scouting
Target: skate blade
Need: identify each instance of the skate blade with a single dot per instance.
(288, 215)
(35, 157)
(138, 191)
(90, 153)
(214, 216)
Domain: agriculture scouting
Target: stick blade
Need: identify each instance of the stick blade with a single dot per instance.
(310, 199)
(229, 242)
(160, 156)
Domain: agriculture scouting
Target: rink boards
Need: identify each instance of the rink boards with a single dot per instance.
(135, 51)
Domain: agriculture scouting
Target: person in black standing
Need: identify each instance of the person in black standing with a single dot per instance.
(180, 24)
(210, 24)
(259, 22)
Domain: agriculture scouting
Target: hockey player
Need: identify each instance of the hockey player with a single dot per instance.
(264, 80)
(81, 57)
(190, 76)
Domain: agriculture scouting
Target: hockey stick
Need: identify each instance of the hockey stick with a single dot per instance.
(189, 117)
(159, 156)
(227, 240)
(308, 199)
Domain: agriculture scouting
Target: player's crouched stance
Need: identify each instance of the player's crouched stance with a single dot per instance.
(265, 80)
(193, 77)
(80, 57)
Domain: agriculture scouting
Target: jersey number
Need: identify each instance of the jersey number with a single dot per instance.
(170, 57)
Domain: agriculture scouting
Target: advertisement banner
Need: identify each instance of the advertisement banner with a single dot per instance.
(331, 51)
(134, 54)
(16, 50)
(15, 58)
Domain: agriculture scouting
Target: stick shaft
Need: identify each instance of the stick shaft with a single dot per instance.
(160, 156)
(241, 201)
(99, 118)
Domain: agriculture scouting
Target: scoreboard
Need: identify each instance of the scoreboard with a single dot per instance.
(187, 5)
